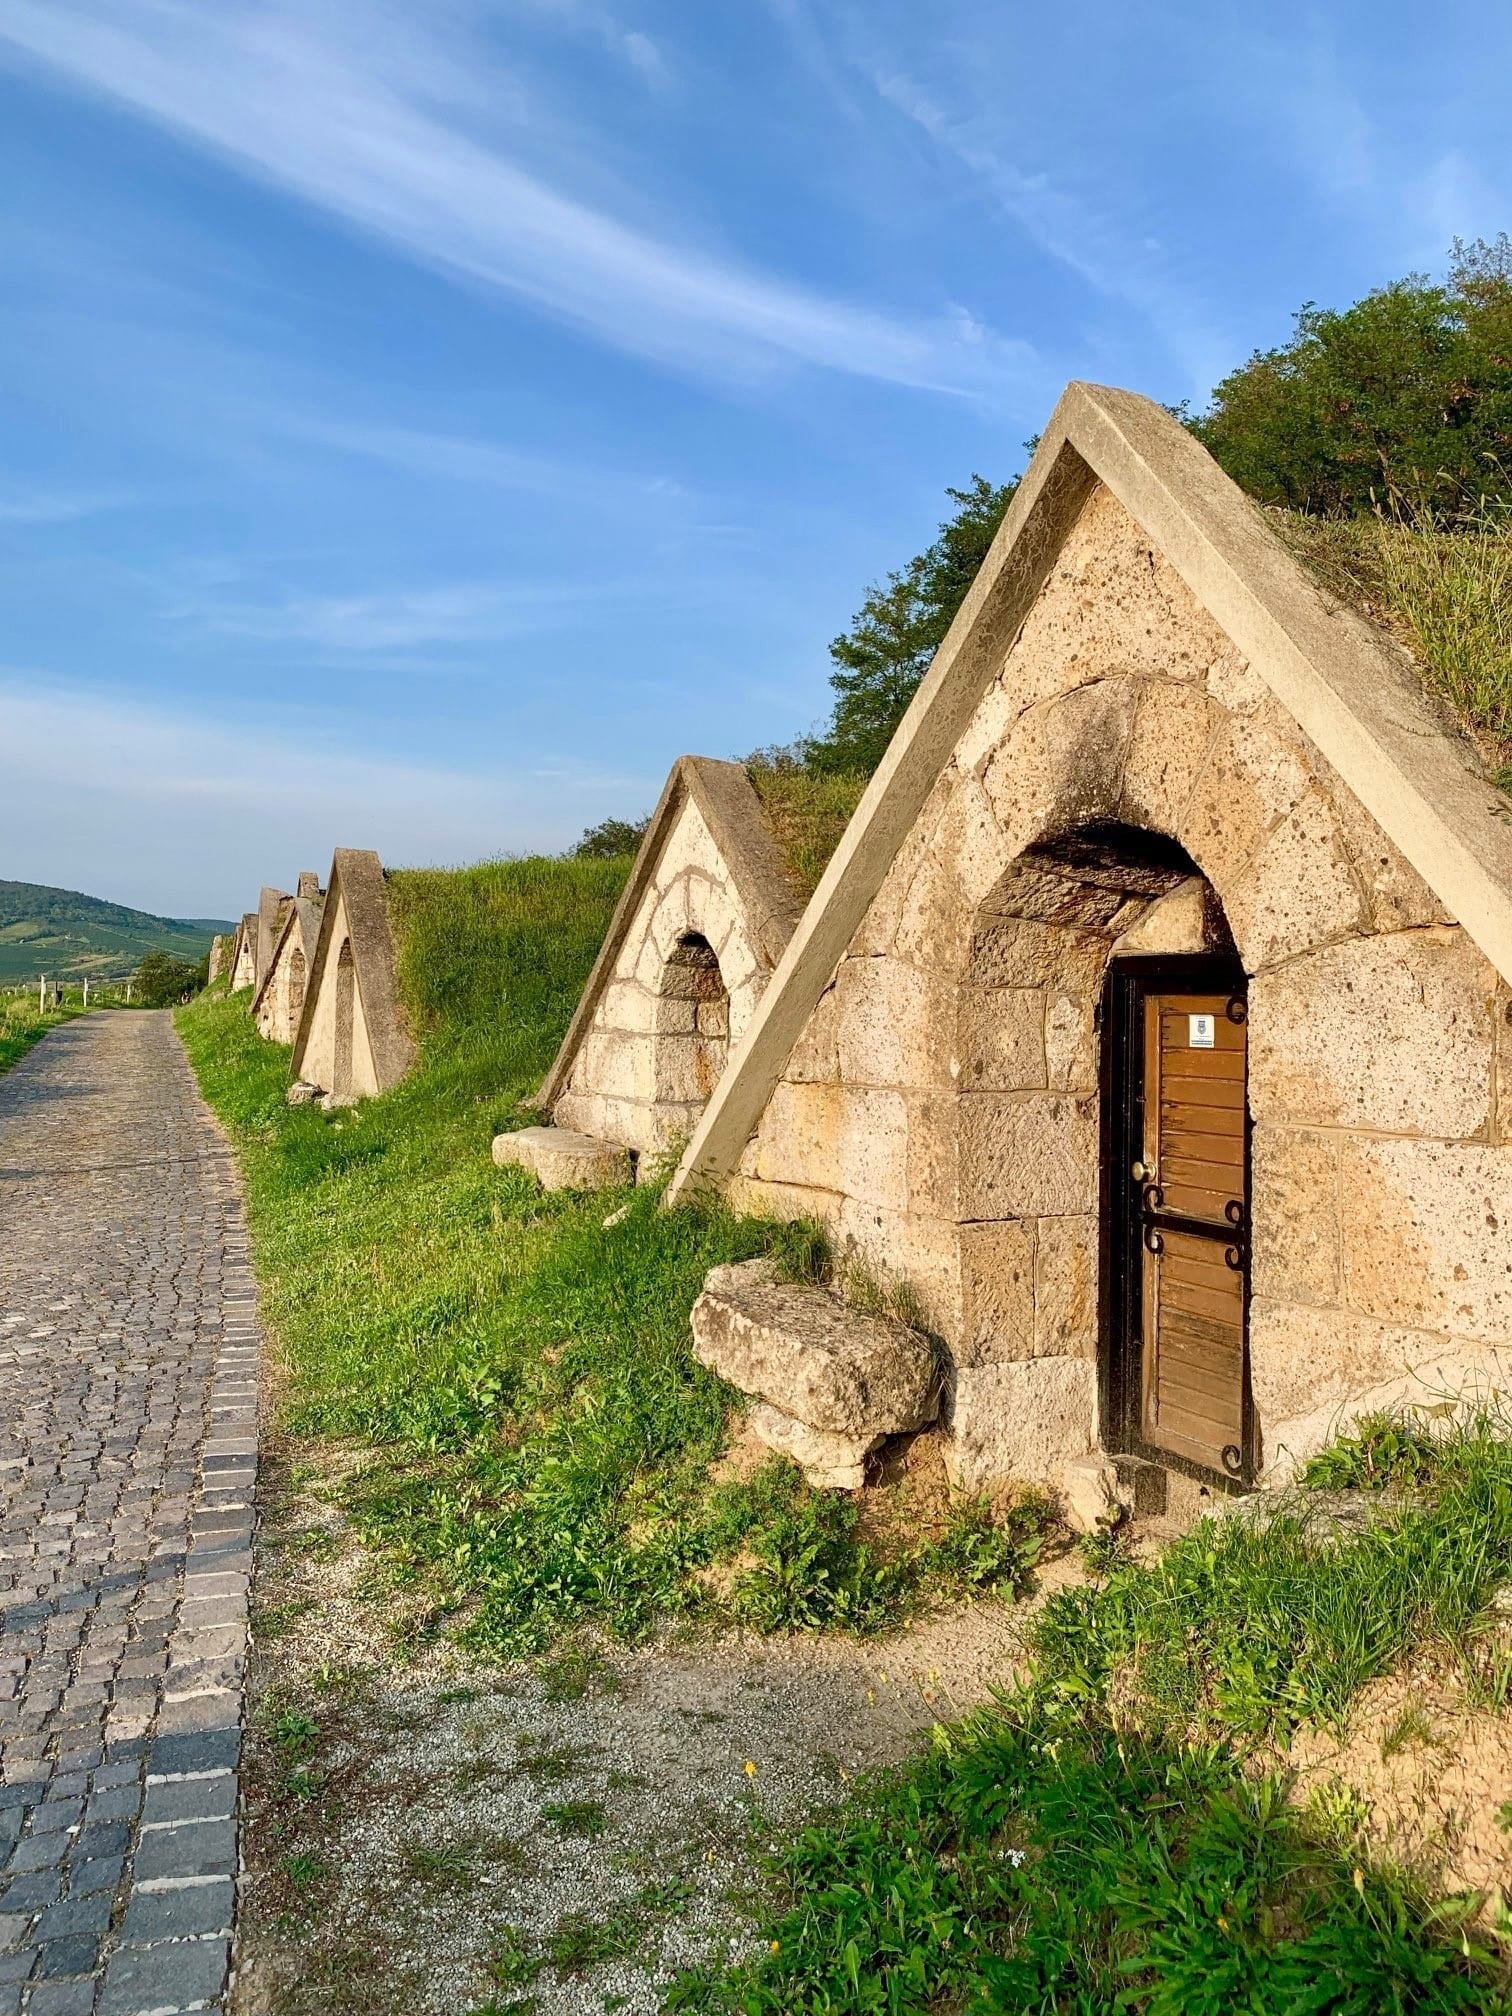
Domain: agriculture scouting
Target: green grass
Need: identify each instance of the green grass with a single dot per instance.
(541, 1435)
(1114, 1834)
(1448, 597)
(807, 812)
(22, 1025)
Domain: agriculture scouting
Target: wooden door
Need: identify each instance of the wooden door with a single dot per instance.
(1194, 1210)
(1179, 1212)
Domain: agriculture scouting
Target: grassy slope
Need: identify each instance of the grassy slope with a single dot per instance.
(63, 933)
(1117, 1833)
(524, 1369)
(1446, 595)
(807, 813)
(541, 1438)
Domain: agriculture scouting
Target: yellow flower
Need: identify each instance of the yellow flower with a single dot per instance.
(1359, 1881)
(775, 1947)
(750, 1767)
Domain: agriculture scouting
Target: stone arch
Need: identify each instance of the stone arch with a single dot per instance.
(692, 1023)
(1033, 1199)
(346, 1017)
(1239, 788)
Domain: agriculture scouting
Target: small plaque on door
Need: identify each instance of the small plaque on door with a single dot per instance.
(1199, 1032)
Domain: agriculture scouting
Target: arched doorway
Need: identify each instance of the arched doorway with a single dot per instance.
(692, 1024)
(1104, 1088)
(346, 1015)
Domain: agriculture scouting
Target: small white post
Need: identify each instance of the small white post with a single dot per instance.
(42, 995)
(86, 990)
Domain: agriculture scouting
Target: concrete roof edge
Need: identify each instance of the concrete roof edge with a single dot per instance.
(1357, 701)
(304, 913)
(728, 805)
(356, 885)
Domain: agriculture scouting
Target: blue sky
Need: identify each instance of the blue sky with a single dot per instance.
(423, 419)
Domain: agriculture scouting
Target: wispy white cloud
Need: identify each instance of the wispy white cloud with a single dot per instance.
(630, 46)
(1118, 262)
(1450, 199)
(1405, 192)
(215, 810)
(456, 613)
(457, 458)
(311, 100)
(57, 507)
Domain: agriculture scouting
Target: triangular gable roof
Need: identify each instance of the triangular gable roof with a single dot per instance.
(355, 887)
(731, 810)
(270, 915)
(244, 941)
(1351, 690)
(303, 919)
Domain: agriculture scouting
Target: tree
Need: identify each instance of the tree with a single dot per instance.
(886, 652)
(1402, 400)
(611, 837)
(161, 979)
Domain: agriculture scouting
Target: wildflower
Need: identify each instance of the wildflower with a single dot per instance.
(775, 1946)
(1359, 1881)
(750, 1767)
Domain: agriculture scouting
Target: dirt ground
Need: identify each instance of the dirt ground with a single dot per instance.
(1423, 1771)
(433, 1833)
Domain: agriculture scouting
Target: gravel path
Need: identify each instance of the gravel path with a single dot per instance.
(431, 1833)
(128, 1357)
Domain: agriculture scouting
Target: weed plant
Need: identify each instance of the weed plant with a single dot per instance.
(521, 1370)
(1114, 1835)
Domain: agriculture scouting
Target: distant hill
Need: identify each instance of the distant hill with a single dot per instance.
(58, 931)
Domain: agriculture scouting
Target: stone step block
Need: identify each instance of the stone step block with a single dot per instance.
(829, 1462)
(564, 1160)
(824, 1366)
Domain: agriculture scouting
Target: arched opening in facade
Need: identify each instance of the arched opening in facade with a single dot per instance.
(1104, 1141)
(298, 976)
(346, 1015)
(692, 1024)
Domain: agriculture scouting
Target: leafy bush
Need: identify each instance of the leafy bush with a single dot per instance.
(1406, 395)
(161, 979)
(612, 840)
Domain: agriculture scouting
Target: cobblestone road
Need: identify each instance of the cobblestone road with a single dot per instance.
(128, 1362)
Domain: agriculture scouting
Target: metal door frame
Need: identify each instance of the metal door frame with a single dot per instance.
(1120, 1328)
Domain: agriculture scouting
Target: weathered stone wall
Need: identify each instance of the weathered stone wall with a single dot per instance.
(941, 1110)
(277, 1008)
(659, 1035)
(318, 1063)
